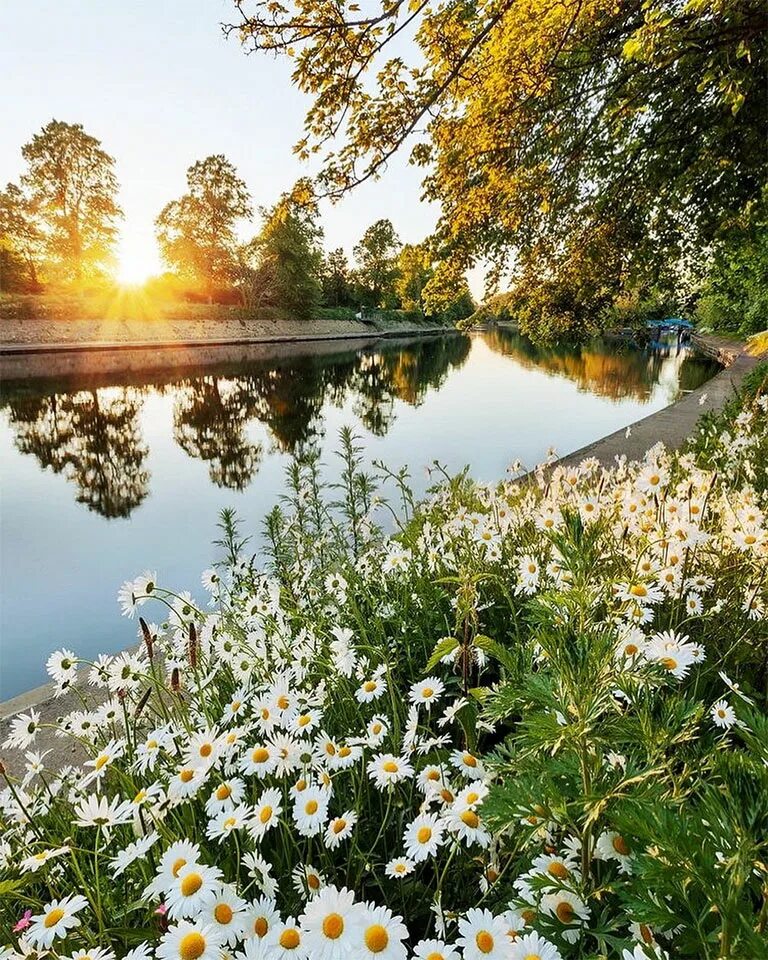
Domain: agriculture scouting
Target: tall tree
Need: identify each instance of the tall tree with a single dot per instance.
(288, 250)
(414, 271)
(541, 122)
(72, 187)
(376, 257)
(197, 232)
(337, 291)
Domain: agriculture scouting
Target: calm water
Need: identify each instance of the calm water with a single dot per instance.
(105, 476)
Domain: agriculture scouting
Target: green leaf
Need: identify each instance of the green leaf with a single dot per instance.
(499, 653)
(442, 649)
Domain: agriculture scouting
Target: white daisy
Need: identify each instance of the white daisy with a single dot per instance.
(56, 920)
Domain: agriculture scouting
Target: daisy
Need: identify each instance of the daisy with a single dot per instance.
(101, 762)
(376, 730)
(423, 837)
(331, 922)
(346, 756)
(56, 920)
(62, 665)
(340, 829)
(226, 822)
(186, 782)
(261, 871)
(471, 796)
(261, 917)
(180, 854)
(399, 867)
(307, 880)
(532, 946)
(23, 731)
(202, 749)
(468, 764)
(134, 851)
(95, 811)
(33, 863)
(371, 689)
(259, 760)
(285, 941)
(723, 714)
(310, 811)
(266, 813)
(613, 846)
(426, 692)
(194, 887)
(483, 936)
(434, 950)
(386, 769)
(569, 909)
(226, 915)
(468, 826)
(303, 721)
(190, 941)
(379, 935)
(228, 794)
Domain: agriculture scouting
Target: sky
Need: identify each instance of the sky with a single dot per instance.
(160, 86)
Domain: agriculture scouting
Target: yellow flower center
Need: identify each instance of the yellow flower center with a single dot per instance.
(564, 912)
(630, 649)
(266, 814)
(311, 807)
(186, 775)
(473, 797)
(301, 786)
(223, 792)
(338, 825)
(424, 835)
(446, 795)
(669, 662)
(191, 884)
(435, 956)
(283, 702)
(471, 819)
(52, 918)
(376, 729)
(390, 767)
(345, 751)
(433, 775)
(100, 761)
(558, 870)
(333, 926)
(260, 926)
(638, 590)
(369, 686)
(235, 705)
(313, 881)
(152, 744)
(469, 760)
(484, 941)
(427, 692)
(289, 939)
(654, 479)
(229, 823)
(532, 956)
(223, 913)
(330, 749)
(531, 568)
(206, 750)
(621, 846)
(304, 719)
(260, 755)
(376, 938)
(140, 796)
(192, 946)
(721, 713)
(177, 865)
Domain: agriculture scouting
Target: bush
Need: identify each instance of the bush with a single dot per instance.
(530, 722)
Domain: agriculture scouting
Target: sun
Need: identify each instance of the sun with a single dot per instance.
(136, 261)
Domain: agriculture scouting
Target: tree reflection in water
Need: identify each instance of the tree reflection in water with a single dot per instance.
(90, 431)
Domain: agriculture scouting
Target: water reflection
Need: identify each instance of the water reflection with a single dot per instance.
(89, 429)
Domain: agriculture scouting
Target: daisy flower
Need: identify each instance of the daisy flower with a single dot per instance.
(379, 935)
(331, 922)
(56, 920)
(307, 880)
(228, 794)
(532, 946)
(190, 941)
(33, 863)
(194, 887)
(285, 941)
(426, 692)
(386, 769)
(723, 714)
(468, 764)
(180, 854)
(94, 811)
(227, 821)
(226, 915)
(310, 810)
(23, 731)
(569, 909)
(467, 825)
(371, 689)
(399, 867)
(483, 936)
(261, 917)
(259, 760)
(613, 846)
(423, 836)
(376, 730)
(266, 813)
(340, 829)
(434, 950)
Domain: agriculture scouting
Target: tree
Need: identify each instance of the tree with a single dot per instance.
(376, 257)
(196, 233)
(337, 289)
(21, 241)
(414, 266)
(540, 121)
(72, 188)
(288, 250)
(446, 294)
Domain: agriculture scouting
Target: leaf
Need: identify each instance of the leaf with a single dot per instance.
(442, 649)
(499, 653)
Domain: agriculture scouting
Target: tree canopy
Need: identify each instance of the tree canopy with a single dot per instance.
(552, 134)
(196, 233)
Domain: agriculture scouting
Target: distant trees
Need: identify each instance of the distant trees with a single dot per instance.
(376, 256)
(414, 269)
(60, 221)
(336, 279)
(196, 233)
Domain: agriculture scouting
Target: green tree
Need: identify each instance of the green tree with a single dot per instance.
(71, 186)
(376, 257)
(446, 294)
(540, 122)
(337, 289)
(414, 265)
(197, 232)
(288, 251)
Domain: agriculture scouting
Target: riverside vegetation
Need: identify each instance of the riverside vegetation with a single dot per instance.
(524, 720)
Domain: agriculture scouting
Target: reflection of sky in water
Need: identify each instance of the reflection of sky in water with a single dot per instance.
(486, 405)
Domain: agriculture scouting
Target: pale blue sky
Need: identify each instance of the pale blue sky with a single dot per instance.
(156, 81)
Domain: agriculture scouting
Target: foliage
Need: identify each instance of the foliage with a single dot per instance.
(542, 126)
(414, 269)
(735, 295)
(21, 241)
(66, 204)
(376, 257)
(544, 697)
(336, 280)
(196, 233)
